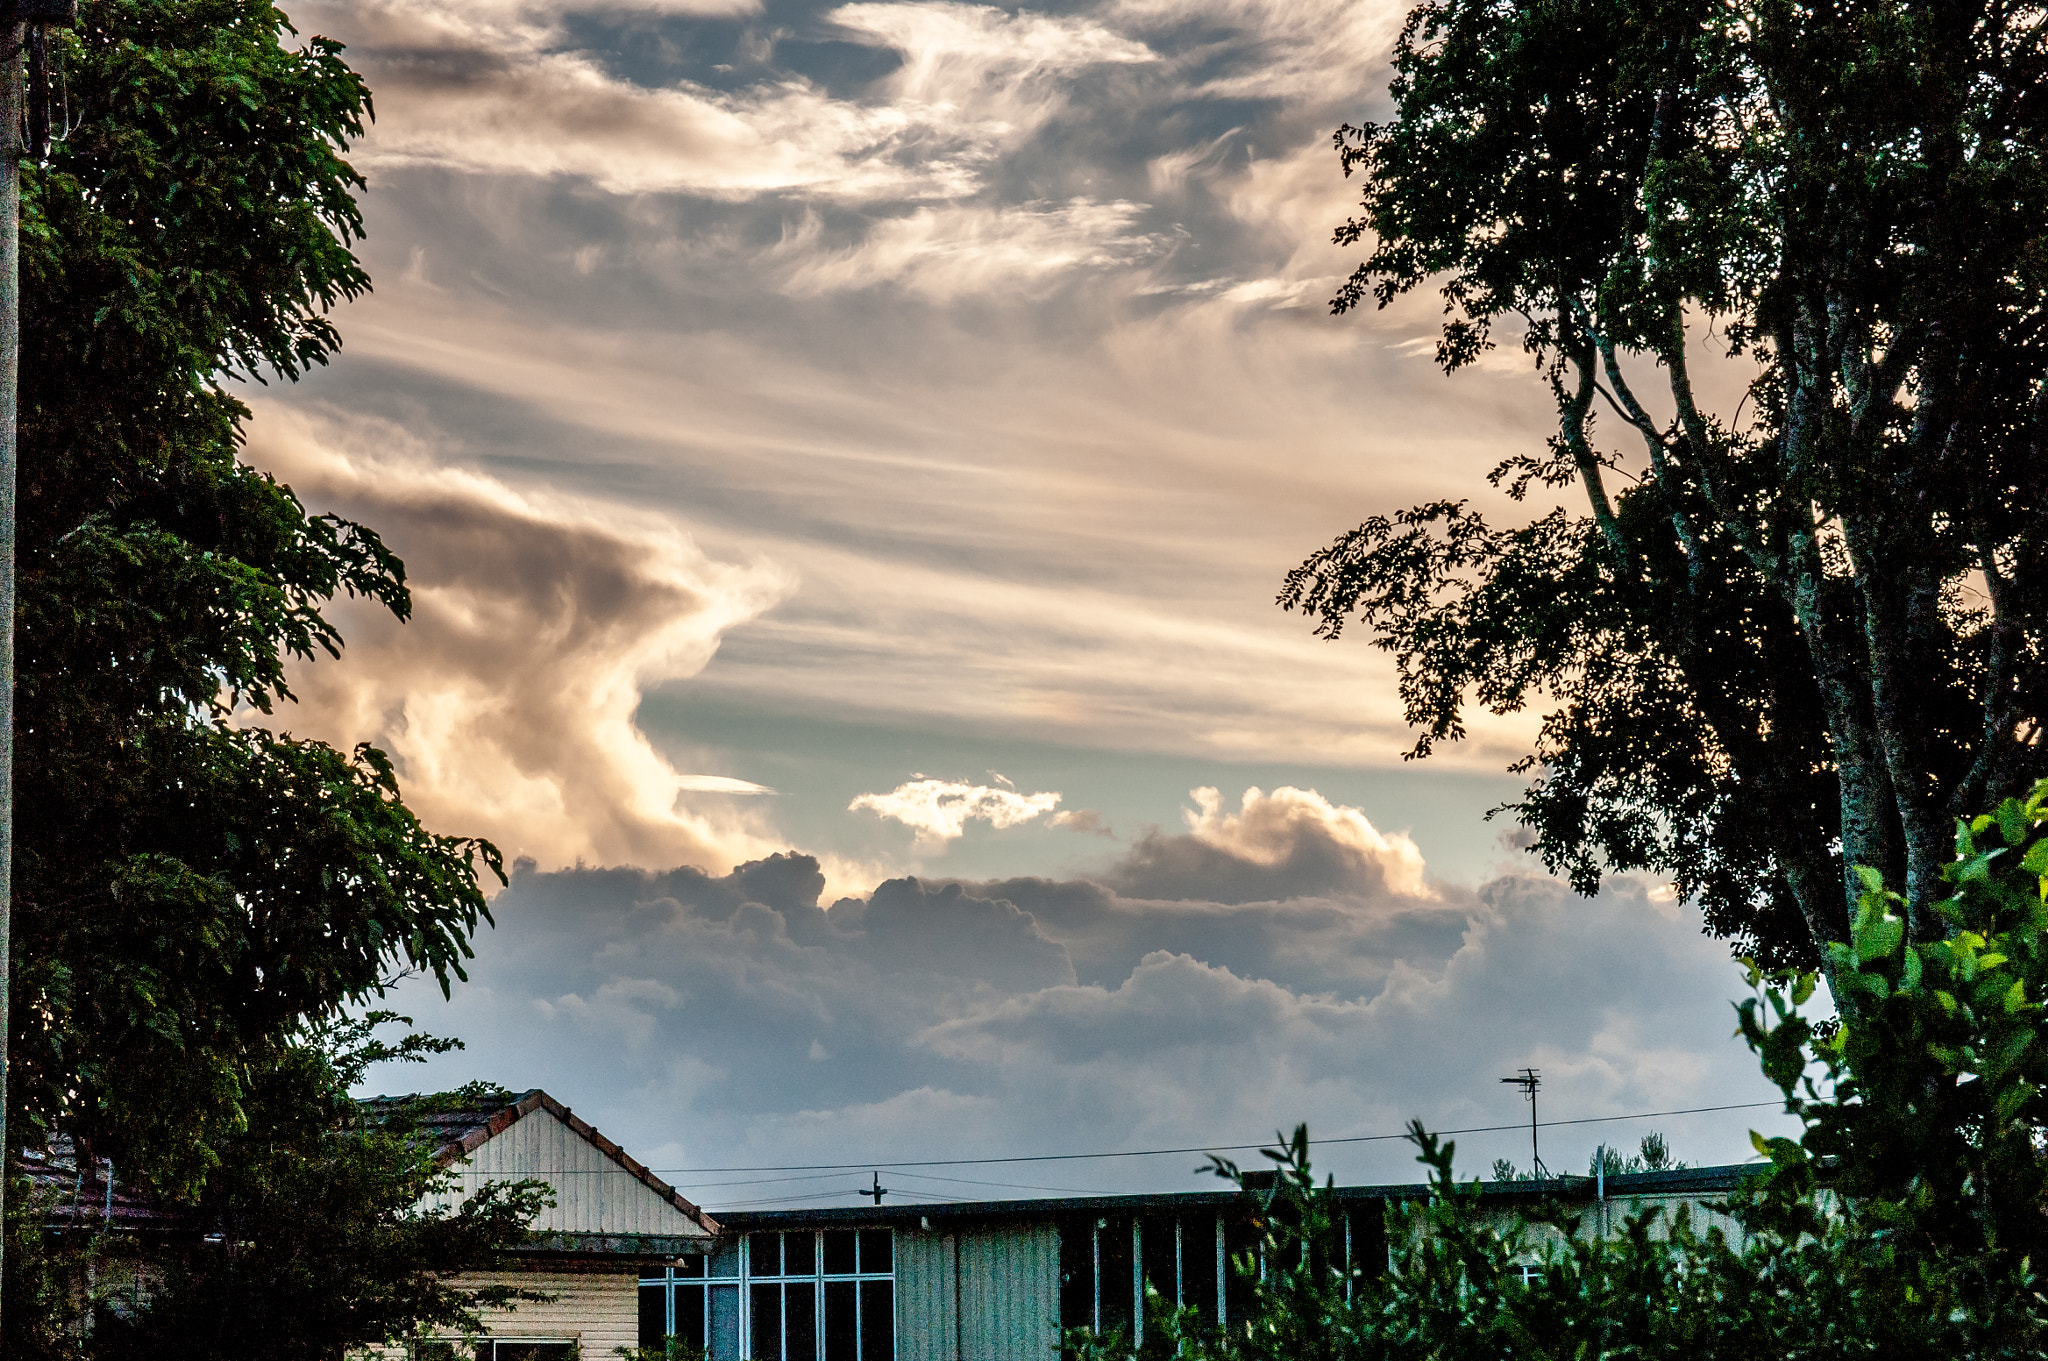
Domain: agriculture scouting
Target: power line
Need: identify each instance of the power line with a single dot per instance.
(1010, 1185)
(1205, 1148)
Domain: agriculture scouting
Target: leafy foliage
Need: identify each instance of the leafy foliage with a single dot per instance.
(314, 1243)
(198, 897)
(1807, 631)
(1904, 1222)
(188, 888)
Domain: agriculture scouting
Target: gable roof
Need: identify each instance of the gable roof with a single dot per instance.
(460, 1130)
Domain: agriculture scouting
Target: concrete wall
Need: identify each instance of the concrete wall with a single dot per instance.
(985, 1294)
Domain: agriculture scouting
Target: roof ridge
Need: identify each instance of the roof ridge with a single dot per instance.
(535, 1099)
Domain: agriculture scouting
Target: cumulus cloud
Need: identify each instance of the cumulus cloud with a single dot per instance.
(539, 621)
(1291, 843)
(939, 810)
(731, 1019)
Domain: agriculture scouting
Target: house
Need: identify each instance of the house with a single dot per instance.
(612, 1223)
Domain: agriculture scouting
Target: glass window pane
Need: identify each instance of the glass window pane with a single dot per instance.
(842, 1337)
(1242, 1240)
(693, 1265)
(725, 1260)
(1117, 1293)
(653, 1315)
(1077, 1273)
(767, 1329)
(839, 1252)
(799, 1254)
(1156, 1240)
(874, 1251)
(877, 1320)
(764, 1254)
(1369, 1240)
(723, 1325)
(690, 1316)
(1198, 1266)
(800, 1322)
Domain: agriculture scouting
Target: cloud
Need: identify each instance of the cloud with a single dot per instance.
(493, 87)
(733, 1019)
(561, 114)
(1289, 844)
(539, 621)
(944, 253)
(939, 810)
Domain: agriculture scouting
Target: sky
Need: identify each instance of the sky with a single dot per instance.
(845, 456)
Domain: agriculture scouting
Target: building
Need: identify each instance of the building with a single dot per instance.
(626, 1261)
(612, 1223)
(998, 1280)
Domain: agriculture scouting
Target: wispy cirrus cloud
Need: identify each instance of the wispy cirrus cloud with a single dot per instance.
(491, 87)
(956, 250)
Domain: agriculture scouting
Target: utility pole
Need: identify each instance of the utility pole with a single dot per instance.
(1528, 1081)
(24, 129)
(877, 1190)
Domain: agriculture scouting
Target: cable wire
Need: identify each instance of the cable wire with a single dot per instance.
(1204, 1148)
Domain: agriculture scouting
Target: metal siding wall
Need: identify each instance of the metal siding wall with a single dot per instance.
(593, 1194)
(602, 1312)
(925, 1320)
(1010, 1293)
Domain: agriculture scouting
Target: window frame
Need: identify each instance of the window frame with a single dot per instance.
(743, 1278)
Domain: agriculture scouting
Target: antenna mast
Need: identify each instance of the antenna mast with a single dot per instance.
(1529, 1081)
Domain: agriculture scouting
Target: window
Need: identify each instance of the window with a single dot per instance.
(1105, 1264)
(808, 1295)
(525, 1349)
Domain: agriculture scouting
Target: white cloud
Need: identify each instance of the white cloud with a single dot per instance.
(520, 102)
(982, 59)
(939, 810)
(1268, 830)
(959, 249)
(560, 114)
(720, 784)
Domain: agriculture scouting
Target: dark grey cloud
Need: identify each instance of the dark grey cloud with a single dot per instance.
(716, 1020)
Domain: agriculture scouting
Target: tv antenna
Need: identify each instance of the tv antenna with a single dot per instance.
(877, 1190)
(1528, 1081)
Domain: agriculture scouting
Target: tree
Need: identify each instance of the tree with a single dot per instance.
(316, 1245)
(192, 888)
(1903, 1223)
(1796, 632)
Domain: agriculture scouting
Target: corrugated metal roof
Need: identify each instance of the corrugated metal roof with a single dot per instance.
(1692, 1180)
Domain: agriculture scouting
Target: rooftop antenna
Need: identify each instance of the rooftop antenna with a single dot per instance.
(877, 1190)
(1528, 1081)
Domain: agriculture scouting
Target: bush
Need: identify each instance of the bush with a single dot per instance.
(1905, 1221)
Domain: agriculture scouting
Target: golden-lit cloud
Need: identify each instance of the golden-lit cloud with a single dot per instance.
(539, 620)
